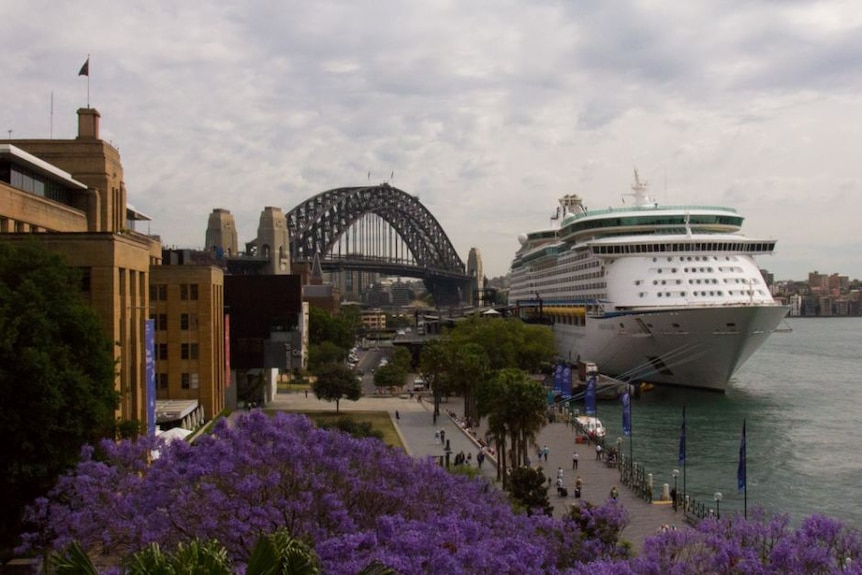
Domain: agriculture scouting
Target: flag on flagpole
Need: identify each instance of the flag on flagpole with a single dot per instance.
(558, 378)
(682, 439)
(85, 69)
(590, 395)
(740, 470)
(627, 414)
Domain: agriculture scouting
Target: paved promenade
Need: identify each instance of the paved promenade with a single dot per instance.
(414, 423)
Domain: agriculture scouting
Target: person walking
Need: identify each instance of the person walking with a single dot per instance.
(545, 452)
(480, 458)
(598, 451)
(560, 473)
(614, 493)
(578, 484)
(575, 458)
(437, 436)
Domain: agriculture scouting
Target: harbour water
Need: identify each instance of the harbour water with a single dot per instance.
(798, 398)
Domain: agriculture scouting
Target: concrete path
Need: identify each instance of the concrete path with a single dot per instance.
(414, 422)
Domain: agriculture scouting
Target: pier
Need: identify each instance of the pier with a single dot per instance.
(415, 426)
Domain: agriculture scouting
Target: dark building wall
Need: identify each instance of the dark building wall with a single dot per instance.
(259, 306)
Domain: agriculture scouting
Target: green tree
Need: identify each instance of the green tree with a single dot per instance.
(468, 369)
(336, 381)
(390, 375)
(402, 358)
(434, 367)
(515, 406)
(56, 375)
(323, 353)
(507, 342)
(337, 329)
(528, 490)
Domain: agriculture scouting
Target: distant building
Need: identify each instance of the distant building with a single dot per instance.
(221, 235)
(187, 305)
(71, 195)
(268, 329)
(477, 277)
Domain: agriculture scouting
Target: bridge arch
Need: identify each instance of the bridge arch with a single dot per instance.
(316, 224)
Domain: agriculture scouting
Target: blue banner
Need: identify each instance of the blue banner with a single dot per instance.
(627, 414)
(558, 378)
(682, 439)
(590, 396)
(150, 364)
(740, 470)
(567, 381)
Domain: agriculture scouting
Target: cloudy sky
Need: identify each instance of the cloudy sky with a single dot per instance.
(489, 111)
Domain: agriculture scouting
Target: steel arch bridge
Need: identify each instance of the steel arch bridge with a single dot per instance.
(378, 229)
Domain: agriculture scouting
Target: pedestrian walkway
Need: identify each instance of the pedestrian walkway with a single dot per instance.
(416, 428)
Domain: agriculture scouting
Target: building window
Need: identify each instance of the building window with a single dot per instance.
(162, 322)
(163, 351)
(159, 292)
(185, 383)
(189, 292)
(189, 351)
(86, 279)
(163, 381)
(188, 321)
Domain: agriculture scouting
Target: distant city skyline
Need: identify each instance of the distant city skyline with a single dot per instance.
(487, 112)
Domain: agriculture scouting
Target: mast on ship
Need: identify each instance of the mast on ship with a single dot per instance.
(639, 191)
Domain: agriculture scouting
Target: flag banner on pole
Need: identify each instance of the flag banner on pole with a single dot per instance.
(85, 69)
(627, 414)
(590, 396)
(740, 470)
(558, 378)
(150, 363)
(567, 381)
(682, 439)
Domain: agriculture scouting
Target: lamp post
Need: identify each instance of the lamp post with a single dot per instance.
(448, 451)
(675, 474)
(717, 498)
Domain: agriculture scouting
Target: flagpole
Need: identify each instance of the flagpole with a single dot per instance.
(88, 81)
(683, 456)
(742, 478)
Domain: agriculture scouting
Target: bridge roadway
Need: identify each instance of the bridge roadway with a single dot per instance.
(415, 426)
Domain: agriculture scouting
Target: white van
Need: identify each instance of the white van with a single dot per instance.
(418, 384)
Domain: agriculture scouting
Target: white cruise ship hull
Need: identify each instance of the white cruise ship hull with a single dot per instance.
(692, 347)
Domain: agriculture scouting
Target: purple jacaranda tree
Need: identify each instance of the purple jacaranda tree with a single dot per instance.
(356, 500)
(761, 545)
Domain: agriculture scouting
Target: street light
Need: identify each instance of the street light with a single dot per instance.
(675, 474)
(717, 498)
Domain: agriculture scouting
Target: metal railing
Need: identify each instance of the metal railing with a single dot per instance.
(634, 476)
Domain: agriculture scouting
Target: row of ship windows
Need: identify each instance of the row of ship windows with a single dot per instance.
(575, 277)
(753, 247)
(699, 259)
(704, 293)
(702, 270)
(547, 290)
(699, 281)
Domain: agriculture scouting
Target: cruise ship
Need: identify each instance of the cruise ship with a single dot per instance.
(662, 294)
